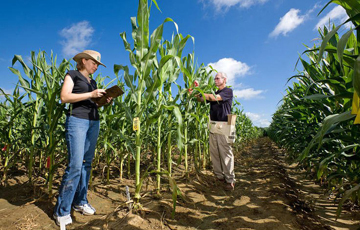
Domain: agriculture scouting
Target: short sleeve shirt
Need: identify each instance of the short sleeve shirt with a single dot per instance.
(86, 109)
(220, 109)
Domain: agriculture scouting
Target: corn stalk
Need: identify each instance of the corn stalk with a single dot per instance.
(142, 58)
(49, 93)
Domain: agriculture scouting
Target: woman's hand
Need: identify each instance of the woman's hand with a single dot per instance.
(108, 100)
(97, 93)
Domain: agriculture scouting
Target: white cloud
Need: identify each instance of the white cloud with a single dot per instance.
(232, 68)
(337, 16)
(237, 85)
(249, 93)
(224, 5)
(290, 21)
(77, 38)
(316, 6)
(258, 120)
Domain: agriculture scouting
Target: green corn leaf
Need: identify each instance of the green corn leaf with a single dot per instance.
(154, 1)
(23, 81)
(164, 60)
(142, 33)
(323, 165)
(347, 148)
(21, 61)
(346, 196)
(331, 121)
(183, 43)
(325, 41)
(342, 44)
(356, 76)
(316, 97)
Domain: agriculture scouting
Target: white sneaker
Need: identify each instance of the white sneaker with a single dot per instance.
(62, 220)
(85, 209)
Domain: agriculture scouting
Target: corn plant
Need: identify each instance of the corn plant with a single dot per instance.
(167, 120)
(316, 115)
(188, 101)
(141, 84)
(168, 74)
(46, 82)
(109, 137)
(12, 124)
(202, 82)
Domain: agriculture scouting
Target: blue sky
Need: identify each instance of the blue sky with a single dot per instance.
(256, 42)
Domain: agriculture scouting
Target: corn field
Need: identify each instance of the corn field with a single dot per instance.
(156, 124)
(315, 122)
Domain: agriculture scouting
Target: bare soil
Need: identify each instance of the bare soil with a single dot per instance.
(269, 194)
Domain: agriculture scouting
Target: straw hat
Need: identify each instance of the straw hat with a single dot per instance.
(89, 54)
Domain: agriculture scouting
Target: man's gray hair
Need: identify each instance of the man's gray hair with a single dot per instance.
(223, 75)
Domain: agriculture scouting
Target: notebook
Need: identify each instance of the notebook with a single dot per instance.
(113, 92)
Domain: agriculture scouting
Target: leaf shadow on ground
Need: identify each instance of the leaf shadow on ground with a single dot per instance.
(269, 194)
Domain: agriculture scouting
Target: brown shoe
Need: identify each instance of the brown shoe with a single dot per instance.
(229, 186)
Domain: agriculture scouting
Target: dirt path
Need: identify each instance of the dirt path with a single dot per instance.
(269, 194)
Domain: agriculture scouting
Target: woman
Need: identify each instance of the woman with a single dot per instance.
(81, 133)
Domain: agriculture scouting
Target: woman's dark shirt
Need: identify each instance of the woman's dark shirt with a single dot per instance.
(86, 109)
(220, 109)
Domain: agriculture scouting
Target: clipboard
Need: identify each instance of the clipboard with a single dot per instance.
(113, 92)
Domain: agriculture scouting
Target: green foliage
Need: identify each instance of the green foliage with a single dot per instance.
(172, 122)
(315, 112)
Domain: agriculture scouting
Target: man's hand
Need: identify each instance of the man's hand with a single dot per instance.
(199, 98)
(210, 97)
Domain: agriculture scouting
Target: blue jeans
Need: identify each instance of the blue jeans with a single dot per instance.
(81, 137)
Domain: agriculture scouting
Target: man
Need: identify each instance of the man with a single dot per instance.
(220, 150)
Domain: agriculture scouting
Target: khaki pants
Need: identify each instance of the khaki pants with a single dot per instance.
(222, 157)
